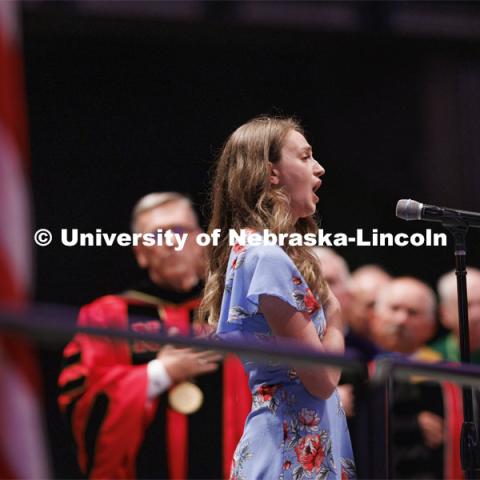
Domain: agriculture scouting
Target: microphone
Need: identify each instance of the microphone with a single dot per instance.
(408, 209)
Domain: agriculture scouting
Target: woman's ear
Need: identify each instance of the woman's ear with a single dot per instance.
(274, 174)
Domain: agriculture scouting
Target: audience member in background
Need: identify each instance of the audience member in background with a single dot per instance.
(346, 287)
(448, 348)
(359, 401)
(113, 393)
(449, 345)
(365, 283)
(403, 322)
(404, 318)
(336, 272)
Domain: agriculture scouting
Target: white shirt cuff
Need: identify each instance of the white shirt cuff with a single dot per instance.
(158, 378)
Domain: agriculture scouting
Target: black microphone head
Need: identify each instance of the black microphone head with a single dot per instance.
(408, 209)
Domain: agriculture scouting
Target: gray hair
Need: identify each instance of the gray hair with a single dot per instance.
(154, 200)
(326, 253)
(447, 284)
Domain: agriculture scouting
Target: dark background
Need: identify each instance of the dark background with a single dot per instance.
(123, 102)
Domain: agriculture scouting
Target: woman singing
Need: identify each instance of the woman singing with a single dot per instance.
(267, 178)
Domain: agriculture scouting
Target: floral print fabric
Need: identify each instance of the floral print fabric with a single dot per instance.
(289, 433)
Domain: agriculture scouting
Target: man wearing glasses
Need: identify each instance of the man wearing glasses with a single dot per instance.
(133, 408)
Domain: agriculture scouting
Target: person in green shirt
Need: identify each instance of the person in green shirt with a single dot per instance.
(448, 346)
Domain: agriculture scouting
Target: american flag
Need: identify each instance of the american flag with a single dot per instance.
(22, 444)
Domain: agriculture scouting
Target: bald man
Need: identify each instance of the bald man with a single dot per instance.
(403, 321)
(404, 318)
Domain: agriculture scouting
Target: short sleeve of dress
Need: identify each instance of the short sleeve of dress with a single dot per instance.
(268, 270)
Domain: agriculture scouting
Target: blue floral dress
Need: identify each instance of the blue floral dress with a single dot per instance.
(289, 433)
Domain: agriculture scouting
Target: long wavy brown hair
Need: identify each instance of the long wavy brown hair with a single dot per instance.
(242, 196)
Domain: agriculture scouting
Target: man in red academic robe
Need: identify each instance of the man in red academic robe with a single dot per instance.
(114, 393)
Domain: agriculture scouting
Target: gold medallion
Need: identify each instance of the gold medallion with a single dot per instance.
(185, 398)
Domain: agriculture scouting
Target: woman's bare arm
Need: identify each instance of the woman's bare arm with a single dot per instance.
(289, 323)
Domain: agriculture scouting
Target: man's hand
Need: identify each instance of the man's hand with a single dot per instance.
(184, 363)
(431, 426)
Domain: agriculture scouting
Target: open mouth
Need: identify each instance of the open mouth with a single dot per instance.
(317, 185)
(315, 189)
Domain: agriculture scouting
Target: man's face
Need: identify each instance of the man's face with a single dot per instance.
(176, 269)
(404, 318)
(364, 293)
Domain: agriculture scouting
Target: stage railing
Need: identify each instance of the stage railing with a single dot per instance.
(50, 324)
(55, 324)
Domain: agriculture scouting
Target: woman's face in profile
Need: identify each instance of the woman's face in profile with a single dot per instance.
(299, 173)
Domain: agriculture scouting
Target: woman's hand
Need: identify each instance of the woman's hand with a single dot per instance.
(333, 311)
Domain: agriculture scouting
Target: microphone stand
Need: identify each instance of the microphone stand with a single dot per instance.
(469, 444)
